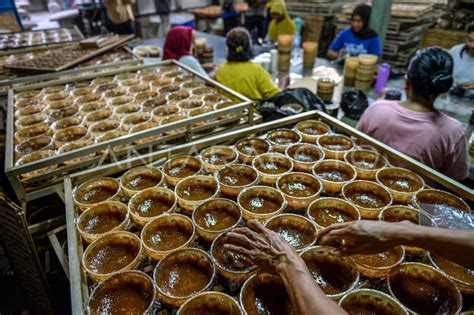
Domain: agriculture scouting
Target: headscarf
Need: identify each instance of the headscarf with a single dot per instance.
(430, 72)
(285, 26)
(178, 43)
(364, 11)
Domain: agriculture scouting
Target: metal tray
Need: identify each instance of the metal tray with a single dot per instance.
(74, 29)
(43, 185)
(78, 279)
(22, 78)
(84, 54)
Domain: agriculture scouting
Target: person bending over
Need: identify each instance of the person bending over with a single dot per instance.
(272, 254)
(414, 126)
(358, 39)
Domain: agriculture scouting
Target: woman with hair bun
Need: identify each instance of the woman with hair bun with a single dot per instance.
(414, 126)
(179, 46)
(239, 73)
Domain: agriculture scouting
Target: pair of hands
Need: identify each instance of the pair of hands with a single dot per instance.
(468, 86)
(269, 251)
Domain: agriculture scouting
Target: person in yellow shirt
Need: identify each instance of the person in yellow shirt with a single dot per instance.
(242, 75)
(119, 16)
(281, 21)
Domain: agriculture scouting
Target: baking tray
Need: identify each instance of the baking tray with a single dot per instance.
(80, 288)
(74, 31)
(48, 62)
(24, 78)
(237, 116)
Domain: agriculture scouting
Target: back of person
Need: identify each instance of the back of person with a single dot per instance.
(119, 11)
(429, 137)
(247, 78)
(241, 75)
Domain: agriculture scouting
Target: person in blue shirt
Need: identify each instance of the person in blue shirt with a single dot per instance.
(358, 39)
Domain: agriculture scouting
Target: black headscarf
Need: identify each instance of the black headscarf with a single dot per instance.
(364, 12)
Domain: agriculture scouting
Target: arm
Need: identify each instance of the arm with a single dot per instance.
(332, 54)
(468, 85)
(370, 237)
(304, 293)
(336, 46)
(272, 254)
(191, 62)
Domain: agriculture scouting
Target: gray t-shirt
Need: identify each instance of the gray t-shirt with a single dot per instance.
(463, 71)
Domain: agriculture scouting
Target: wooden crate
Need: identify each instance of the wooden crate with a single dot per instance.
(407, 35)
(410, 10)
(312, 29)
(310, 9)
(442, 38)
(399, 59)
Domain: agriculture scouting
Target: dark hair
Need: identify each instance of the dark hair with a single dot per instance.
(239, 45)
(470, 29)
(430, 72)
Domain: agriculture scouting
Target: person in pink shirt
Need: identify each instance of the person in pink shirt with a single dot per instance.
(414, 126)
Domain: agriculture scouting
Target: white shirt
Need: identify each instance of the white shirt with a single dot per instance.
(463, 71)
(192, 63)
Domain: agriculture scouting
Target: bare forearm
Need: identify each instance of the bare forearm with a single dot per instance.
(305, 295)
(452, 244)
(332, 54)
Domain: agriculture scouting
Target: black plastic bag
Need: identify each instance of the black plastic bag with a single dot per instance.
(289, 102)
(354, 103)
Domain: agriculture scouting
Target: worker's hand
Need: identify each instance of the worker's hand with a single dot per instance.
(263, 247)
(341, 53)
(468, 86)
(363, 237)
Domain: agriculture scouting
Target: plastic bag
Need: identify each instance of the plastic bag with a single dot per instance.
(354, 103)
(289, 102)
(447, 217)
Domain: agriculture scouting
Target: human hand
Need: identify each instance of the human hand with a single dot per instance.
(341, 53)
(468, 86)
(364, 237)
(265, 248)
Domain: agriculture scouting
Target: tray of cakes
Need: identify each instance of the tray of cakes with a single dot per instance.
(59, 127)
(157, 231)
(9, 77)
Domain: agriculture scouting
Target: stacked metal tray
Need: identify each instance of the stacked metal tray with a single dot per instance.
(198, 105)
(63, 57)
(25, 39)
(9, 77)
(272, 132)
